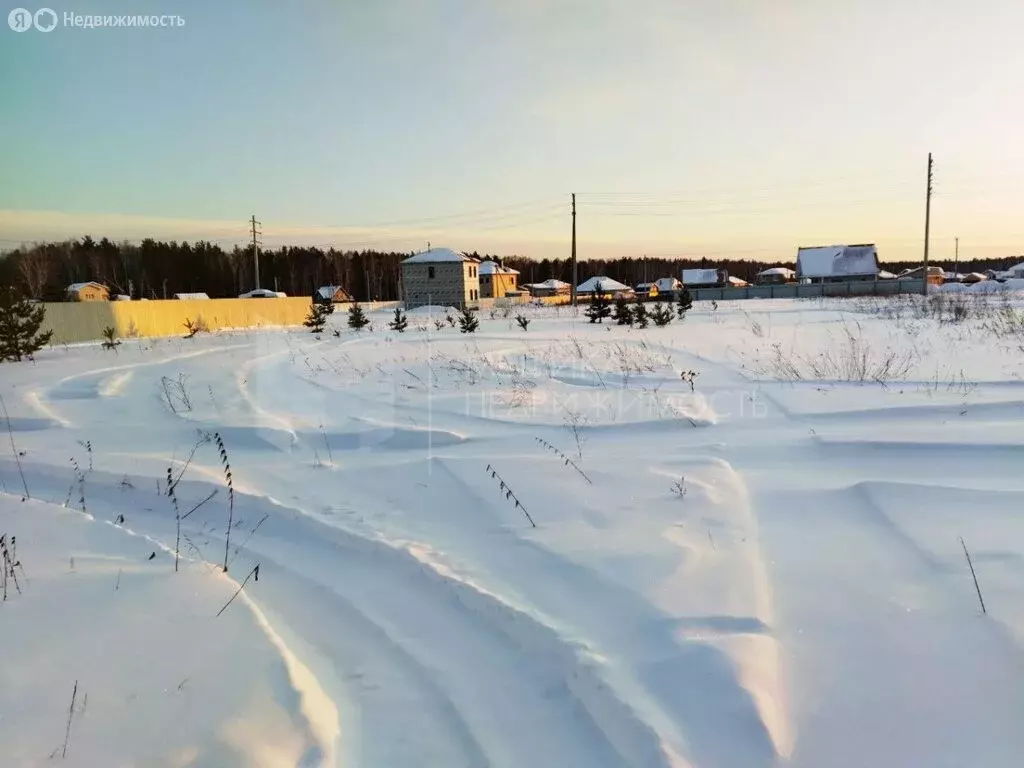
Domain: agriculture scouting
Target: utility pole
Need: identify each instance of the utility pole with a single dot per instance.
(927, 223)
(574, 273)
(956, 260)
(256, 249)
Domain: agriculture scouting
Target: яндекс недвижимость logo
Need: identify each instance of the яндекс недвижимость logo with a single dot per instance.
(22, 19)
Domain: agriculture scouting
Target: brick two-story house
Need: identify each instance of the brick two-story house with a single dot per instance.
(441, 276)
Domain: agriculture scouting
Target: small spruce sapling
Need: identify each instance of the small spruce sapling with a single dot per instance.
(661, 314)
(467, 321)
(640, 317)
(684, 302)
(524, 322)
(21, 321)
(316, 320)
(623, 314)
(400, 323)
(357, 319)
(599, 307)
(110, 340)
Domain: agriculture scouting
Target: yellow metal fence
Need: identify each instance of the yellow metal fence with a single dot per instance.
(85, 321)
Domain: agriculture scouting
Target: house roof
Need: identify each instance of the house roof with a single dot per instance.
(667, 284)
(329, 291)
(738, 281)
(607, 284)
(488, 267)
(785, 271)
(700, 276)
(80, 286)
(837, 260)
(263, 293)
(551, 284)
(644, 286)
(435, 255)
(190, 296)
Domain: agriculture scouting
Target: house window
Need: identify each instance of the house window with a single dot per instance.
(430, 273)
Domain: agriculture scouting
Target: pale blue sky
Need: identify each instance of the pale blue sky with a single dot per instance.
(688, 128)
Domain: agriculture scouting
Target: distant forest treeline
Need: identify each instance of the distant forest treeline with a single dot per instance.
(154, 269)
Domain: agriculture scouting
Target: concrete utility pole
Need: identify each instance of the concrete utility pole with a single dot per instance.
(256, 248)
(574, 273)
(927, 223)
(956, 259)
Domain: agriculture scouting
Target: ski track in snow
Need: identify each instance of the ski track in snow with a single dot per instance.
(403, 593)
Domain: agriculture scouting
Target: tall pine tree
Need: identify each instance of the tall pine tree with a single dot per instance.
(20, 324)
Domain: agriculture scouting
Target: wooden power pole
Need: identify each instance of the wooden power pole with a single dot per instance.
(255, 249)
(927, 223)
(574, 272)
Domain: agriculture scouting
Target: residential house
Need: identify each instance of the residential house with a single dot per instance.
(837, 263)
(643, 290)
(263, 293)
(497, 280)
(550, 287)
(936, 274)
(705, 278)
(331, 294)
(87, 292)
(736, 282)
(441, 276)
(191, 296)
(1015, 272)
(775, 276)
(610, 288)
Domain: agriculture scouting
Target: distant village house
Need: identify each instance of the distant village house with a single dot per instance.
(87, 292)
(331, 294)
(705, 278)
(837, 263)
(550, 287)
(775, 276)
(496, 280)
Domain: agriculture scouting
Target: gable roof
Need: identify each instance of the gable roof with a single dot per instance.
(837, 260)
(329, 291)
(435, 255)
(551, 284)
(701, 276)
(190, 296)
(80, 286)
(488, 267)
(668, 284)
(607, 284)
(785, 271)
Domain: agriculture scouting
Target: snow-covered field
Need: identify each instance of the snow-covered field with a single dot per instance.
(756, 565)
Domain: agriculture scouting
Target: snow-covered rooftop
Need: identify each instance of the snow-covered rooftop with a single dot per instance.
(435, 255)
(700, 276)
(607, 284)
(667, 284)
(488, 267)
(784, 271)
(80, 286)
(328, 291)
(837, 261)
(552, 284)
(191, 296)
